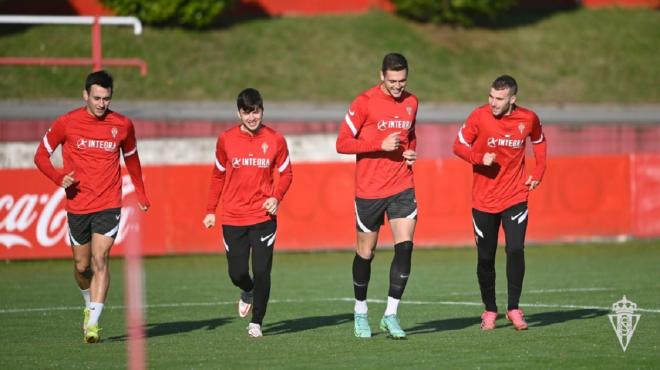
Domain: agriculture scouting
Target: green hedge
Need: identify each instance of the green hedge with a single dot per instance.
(457, 12)
(187, 13)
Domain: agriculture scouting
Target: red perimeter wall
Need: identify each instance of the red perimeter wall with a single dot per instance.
(581, 198)
(289, 7)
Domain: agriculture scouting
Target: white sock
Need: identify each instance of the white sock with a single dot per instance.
(392, 306)
(86, 296)
(95, 310)
(361, 306)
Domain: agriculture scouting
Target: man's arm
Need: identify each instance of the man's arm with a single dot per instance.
(463, 148)
(132, 161)
(349, 140)
(284, 168)
(540, 149)
(283, 162)
(410, 154)
(217, 182)
(53, 137)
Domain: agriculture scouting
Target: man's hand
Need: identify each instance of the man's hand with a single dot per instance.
(209, 220)
(271, 205)
(68, 180)
(410, 156)
(489, 158)
(532, 184)
(391, 142)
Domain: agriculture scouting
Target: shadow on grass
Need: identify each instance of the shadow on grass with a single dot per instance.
(306, 323)
(443, 325)
(534, 320)
(558, 317)
(177, 327)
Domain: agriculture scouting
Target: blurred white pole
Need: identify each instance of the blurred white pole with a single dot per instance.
(134, 294)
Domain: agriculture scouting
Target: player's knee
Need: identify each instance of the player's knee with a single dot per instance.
(83, 268)
(99, 264)
(486, 264)
(238, 275)
(261, 271)
(366, 255)
(514, 249)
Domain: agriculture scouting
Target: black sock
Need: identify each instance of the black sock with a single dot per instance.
(400, 268)
(361, 276)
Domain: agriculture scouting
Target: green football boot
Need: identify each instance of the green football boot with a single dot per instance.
(362, 329)
(390, 324)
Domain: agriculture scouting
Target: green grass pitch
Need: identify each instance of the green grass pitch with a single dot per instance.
(191, 320)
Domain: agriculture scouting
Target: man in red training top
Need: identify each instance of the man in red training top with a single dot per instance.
(493, 141)
(91, 138)
(379, 128)
(246, 159)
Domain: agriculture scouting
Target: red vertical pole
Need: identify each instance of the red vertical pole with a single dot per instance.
(96, 45)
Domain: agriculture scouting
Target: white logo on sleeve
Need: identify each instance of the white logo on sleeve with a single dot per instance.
(351, 112)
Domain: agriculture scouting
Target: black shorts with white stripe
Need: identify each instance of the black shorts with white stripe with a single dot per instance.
(370, 213)
(82, 226)
(487, 226)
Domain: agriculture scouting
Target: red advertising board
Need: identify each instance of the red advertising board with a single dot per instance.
(645, 194)
(580, 198)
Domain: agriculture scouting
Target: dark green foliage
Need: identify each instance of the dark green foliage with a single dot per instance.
(459, 12)
(187, 13)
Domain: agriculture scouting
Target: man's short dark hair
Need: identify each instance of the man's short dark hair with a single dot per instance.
(101, 78)
(249, 100)
(394, 62)
(505, 82)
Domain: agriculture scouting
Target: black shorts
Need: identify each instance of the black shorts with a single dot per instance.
(81, 227)
(370, 213)
(240, 239)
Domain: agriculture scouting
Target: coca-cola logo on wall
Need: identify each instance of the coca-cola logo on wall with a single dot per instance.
(29, 219)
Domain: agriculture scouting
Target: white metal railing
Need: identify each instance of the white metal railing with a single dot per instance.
(96, 60)
(72, 19)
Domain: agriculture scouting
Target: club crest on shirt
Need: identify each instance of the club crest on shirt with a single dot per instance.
(264, 147)
(236, 162)
(409, 110)
(521, 127)
(114, 132)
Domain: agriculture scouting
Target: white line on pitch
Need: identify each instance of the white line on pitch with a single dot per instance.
(540, 291)
(346, 299)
